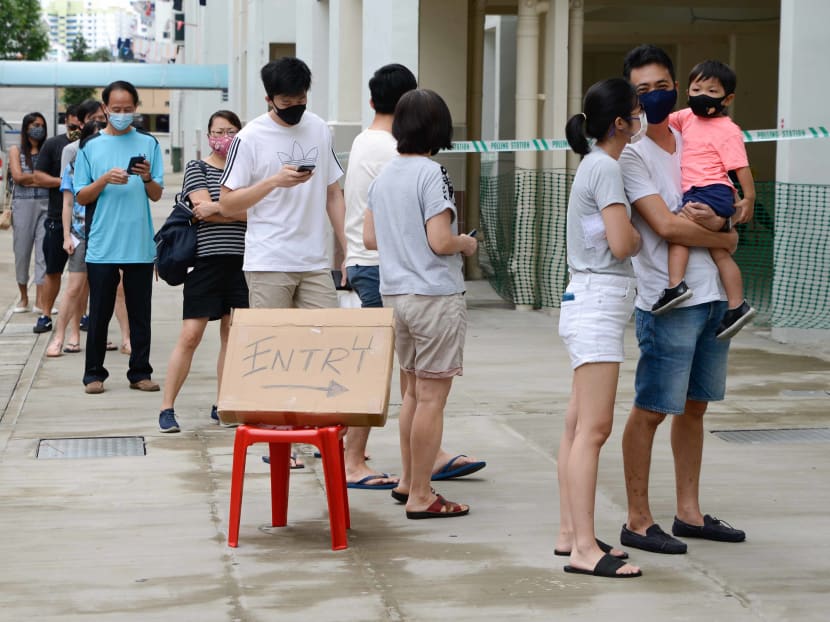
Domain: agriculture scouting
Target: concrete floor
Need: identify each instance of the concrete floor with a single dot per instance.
(144, 538)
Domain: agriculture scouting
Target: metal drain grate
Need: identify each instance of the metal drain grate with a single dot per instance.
(786, 435)
(94, 447)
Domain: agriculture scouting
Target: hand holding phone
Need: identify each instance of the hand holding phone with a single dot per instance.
(133, 161)
(306, 167)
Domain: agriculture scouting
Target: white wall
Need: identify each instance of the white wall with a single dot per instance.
(395, 42)
(803, 90)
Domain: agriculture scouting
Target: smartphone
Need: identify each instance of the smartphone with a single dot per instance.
(473, 233)
(133, 161)
(306, 167)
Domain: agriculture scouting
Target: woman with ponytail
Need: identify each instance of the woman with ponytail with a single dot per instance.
(596, 306)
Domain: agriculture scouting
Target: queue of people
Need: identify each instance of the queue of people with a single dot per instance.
(642, 239)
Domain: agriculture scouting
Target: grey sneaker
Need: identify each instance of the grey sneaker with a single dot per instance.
(167, 421)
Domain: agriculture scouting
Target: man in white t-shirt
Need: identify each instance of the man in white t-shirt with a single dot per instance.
(371, 150)
(282, 170)
(682, 366)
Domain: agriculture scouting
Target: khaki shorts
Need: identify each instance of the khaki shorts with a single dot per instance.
(429, 333)
(286, 290)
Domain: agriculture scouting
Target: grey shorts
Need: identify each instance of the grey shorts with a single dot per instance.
(77, 260)
(429, 333)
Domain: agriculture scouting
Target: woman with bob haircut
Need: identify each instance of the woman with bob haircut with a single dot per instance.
(412, 222)
(596, 306)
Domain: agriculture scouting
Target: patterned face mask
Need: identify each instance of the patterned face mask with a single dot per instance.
(220, 144)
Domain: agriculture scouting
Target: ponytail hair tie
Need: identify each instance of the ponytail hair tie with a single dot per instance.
(584, 116)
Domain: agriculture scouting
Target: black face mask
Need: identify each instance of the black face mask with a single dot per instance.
(705, 106)
(100, 124)
(290, 115)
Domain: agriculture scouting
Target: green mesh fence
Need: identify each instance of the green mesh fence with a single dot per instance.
(783, 253)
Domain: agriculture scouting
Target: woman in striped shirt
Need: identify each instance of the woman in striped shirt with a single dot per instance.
(216, 284)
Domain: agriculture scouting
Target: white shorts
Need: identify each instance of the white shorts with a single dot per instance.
(595, 309)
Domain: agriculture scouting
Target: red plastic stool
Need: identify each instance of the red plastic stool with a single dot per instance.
(329, 440)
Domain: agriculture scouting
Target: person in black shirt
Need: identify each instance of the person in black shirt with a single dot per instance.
(48, 175)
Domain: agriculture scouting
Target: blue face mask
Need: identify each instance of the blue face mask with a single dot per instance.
(121, 121)
(658, 104)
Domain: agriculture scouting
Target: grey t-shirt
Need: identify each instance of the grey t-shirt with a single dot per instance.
(598, 184)
(405, 195)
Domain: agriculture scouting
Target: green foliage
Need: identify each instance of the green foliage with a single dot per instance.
(101, 55)
(24, 34)
(77, 94)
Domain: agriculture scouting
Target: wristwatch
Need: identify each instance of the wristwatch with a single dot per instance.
(727, 226)
(147, 181)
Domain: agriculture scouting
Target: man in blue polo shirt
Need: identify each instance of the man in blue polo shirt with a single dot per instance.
(120, 237)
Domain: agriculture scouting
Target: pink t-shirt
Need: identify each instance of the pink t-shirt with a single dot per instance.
(711, 148)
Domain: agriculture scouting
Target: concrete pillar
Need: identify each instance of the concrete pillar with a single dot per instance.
(475, 78)
(802, 257)
(313, 48)
(345, 64)
(523, 262)
(396, 42)
(555, 76)
(576, 29)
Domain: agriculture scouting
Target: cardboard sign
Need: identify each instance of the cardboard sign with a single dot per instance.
(308, 367)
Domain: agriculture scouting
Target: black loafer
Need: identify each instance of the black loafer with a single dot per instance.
(655, 541)
(711, 529)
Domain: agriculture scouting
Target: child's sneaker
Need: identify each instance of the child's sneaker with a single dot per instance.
(734, 320)
(167, 421)
(84, 325)
(671, 297)
(214, 415)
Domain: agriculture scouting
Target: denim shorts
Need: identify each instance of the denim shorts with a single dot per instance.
(365, 280)
(595, 310)
(680, 359)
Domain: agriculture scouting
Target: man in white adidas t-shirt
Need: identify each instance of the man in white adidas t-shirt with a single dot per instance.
(281, 168)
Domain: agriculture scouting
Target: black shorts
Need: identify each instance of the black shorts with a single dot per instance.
(214, 287)
(53, 252)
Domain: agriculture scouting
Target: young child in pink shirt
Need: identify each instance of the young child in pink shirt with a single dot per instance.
(712, 147)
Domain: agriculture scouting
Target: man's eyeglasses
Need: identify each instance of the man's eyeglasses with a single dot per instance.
(218, 133)
(72, 127)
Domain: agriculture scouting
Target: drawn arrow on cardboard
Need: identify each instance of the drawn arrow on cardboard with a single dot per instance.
(332, 390)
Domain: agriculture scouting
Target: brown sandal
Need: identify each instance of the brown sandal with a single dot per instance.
(440, 508)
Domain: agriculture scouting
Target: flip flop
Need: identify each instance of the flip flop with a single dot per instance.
(72, 348)
(364, 484)
(606, 567)
(440, 508)
(605, 548)
(295, 465)
(448, 472)
(111, 346)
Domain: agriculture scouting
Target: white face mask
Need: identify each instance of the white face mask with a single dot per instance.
(638, 135)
